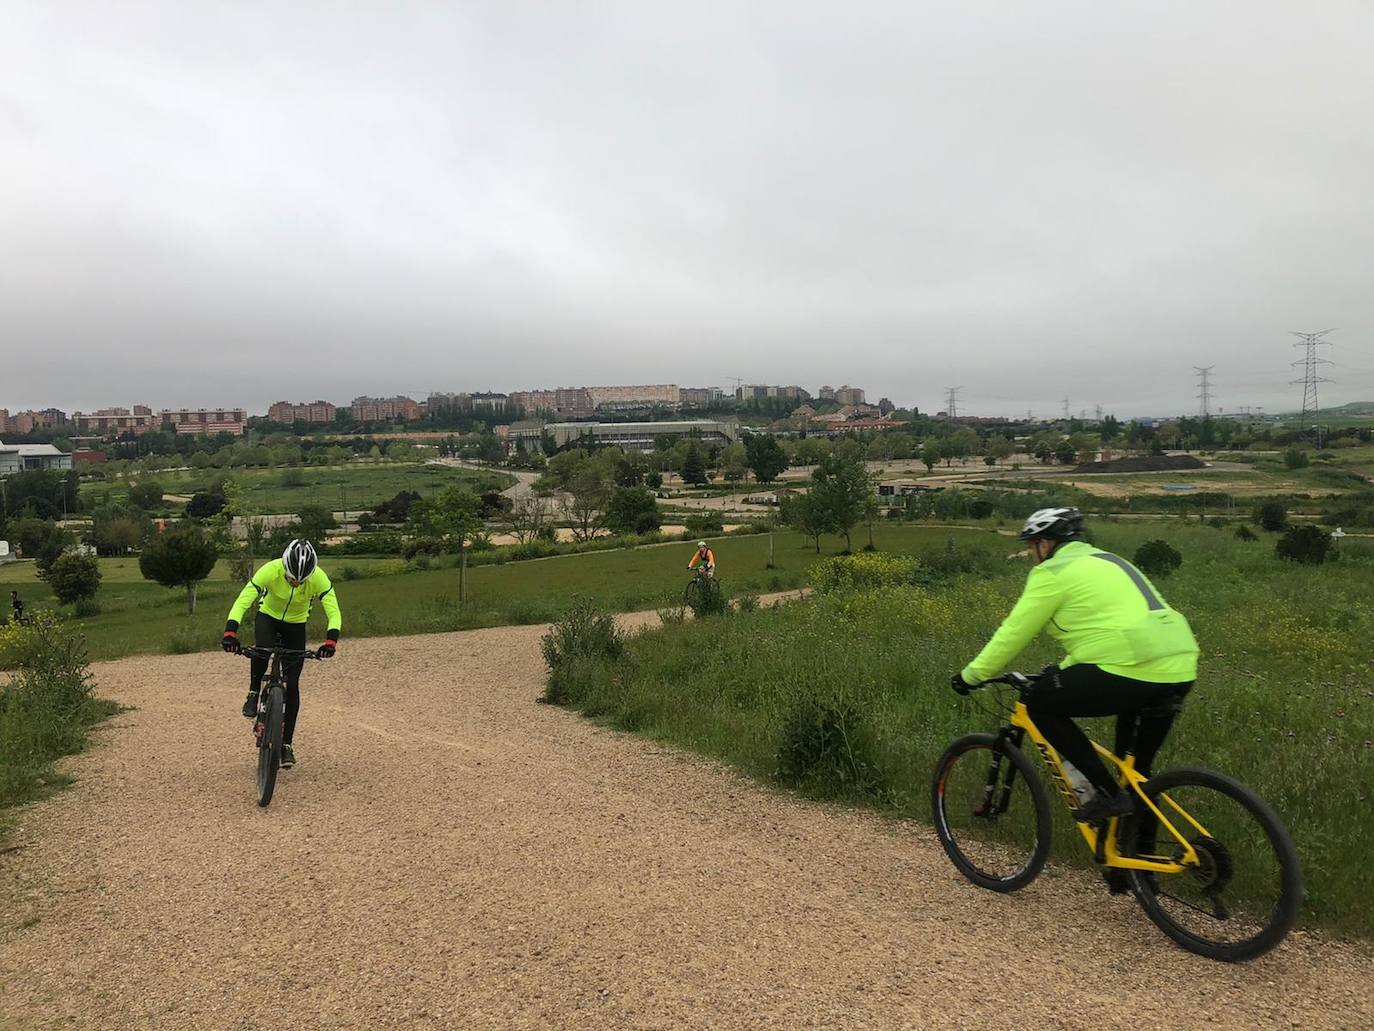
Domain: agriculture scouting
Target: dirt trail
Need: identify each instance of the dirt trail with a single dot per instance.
(450, 854)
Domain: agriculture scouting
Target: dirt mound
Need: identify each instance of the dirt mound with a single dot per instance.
(1145, 464)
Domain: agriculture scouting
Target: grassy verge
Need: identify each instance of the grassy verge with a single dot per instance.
(46, 708)
(358, 485)
(1282, 701)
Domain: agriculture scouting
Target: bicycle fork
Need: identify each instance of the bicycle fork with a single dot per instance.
(997, 789)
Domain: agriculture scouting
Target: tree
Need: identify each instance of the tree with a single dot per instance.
(314, 522)
(734, 463)
(999, 449)
(633, 510)
(1295, 458)
(115, 533)
(1064, 453)
(653, 479)
(804, 514)
(589, 494)
(494, 505)
(73, 577)
(205, 505)
(840, 488)
(960, 444)
(693, 469)
(34, 536)
(181, 557)
(146, 495)
(528, 517)
(931, 454)
(765, 457)
(1157, 558)
(1272, 516)
(1310, 545)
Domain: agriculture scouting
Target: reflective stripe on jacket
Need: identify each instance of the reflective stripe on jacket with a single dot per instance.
(1101, 610)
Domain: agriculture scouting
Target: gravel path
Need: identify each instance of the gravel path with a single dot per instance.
(450, 854)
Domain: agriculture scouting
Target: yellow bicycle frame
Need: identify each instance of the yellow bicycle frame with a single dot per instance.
(1131, 780)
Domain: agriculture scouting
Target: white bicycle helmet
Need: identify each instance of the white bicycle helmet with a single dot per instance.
(1055, 524)
(701, 546)
(299, 560)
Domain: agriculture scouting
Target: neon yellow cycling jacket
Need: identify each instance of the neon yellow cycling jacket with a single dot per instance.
(278, 599)
(1101, 610)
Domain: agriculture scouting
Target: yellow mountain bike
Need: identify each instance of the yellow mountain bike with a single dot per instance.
(1207, 859)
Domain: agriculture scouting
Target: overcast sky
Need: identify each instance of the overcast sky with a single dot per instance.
(235, 203)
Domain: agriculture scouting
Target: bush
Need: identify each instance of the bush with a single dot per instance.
(46, 708)
(145, 495)
(1295, 458)
(86, 608)
(747, 603)
(73, 577)
(293, 478)
(1244, 533)
(827, 750)
(1157, 558)
(1272, 516)
(1310, 545)
(701, 523)
(584, 633)
(184, 641)
(861, 572)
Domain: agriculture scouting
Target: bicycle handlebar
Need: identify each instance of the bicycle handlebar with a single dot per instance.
(1020, 681)
(253, 651)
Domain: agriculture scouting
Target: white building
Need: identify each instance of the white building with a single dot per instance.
(18, 458)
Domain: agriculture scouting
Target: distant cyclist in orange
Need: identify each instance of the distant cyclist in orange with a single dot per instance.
(706, 557)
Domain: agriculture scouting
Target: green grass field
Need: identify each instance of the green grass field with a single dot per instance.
(138, 616)
(1283, 699)
(359, 486)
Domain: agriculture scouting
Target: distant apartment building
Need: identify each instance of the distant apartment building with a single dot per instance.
(535, 435)
(28, 421)
(480, 403)
(758, 391)
(565, 402)
(847, 395)
(385, 409)
(827, 393)
(699, 397)
(115, 422)
(642, 395)
(195, 422)
(306, 411)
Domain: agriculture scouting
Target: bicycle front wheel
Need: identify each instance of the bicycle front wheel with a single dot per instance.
(1242, 896)
(991, 812)
(269, 747)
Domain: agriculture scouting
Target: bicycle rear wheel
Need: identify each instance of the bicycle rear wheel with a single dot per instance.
(269, 747)
(1243, 897)
(991, 812)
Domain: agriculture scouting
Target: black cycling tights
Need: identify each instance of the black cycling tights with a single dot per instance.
(1144, 712)
(274, 633)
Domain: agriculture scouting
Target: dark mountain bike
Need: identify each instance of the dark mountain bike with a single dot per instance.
(703, 593)
(1207, 859)
(271, 718)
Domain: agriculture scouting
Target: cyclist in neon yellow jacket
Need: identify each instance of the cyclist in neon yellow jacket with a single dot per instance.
(1129, 654)
(286, 590)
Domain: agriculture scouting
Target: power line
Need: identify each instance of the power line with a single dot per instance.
(1310, 379)
(1204, 393)
(952, 402)
(1066, 407)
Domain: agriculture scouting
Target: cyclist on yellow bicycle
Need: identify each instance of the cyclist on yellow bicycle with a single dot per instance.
(706, 557)
(285, 589)
(1129, 654)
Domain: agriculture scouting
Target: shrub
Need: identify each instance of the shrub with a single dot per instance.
(1310, 545)
(710, 600)
(584, 633)
(673, 616)
(701, 523)
(73, 577)
(85, 608)
(1157, 558)
(418, 564)
(184, 641)
(858, 572)
(1295, 458)
(146, 495)
(293, 478)
(1244, 533)
(747, 603)
(827, 750)
(350, 573)
(46, 707)
(1272, 516)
